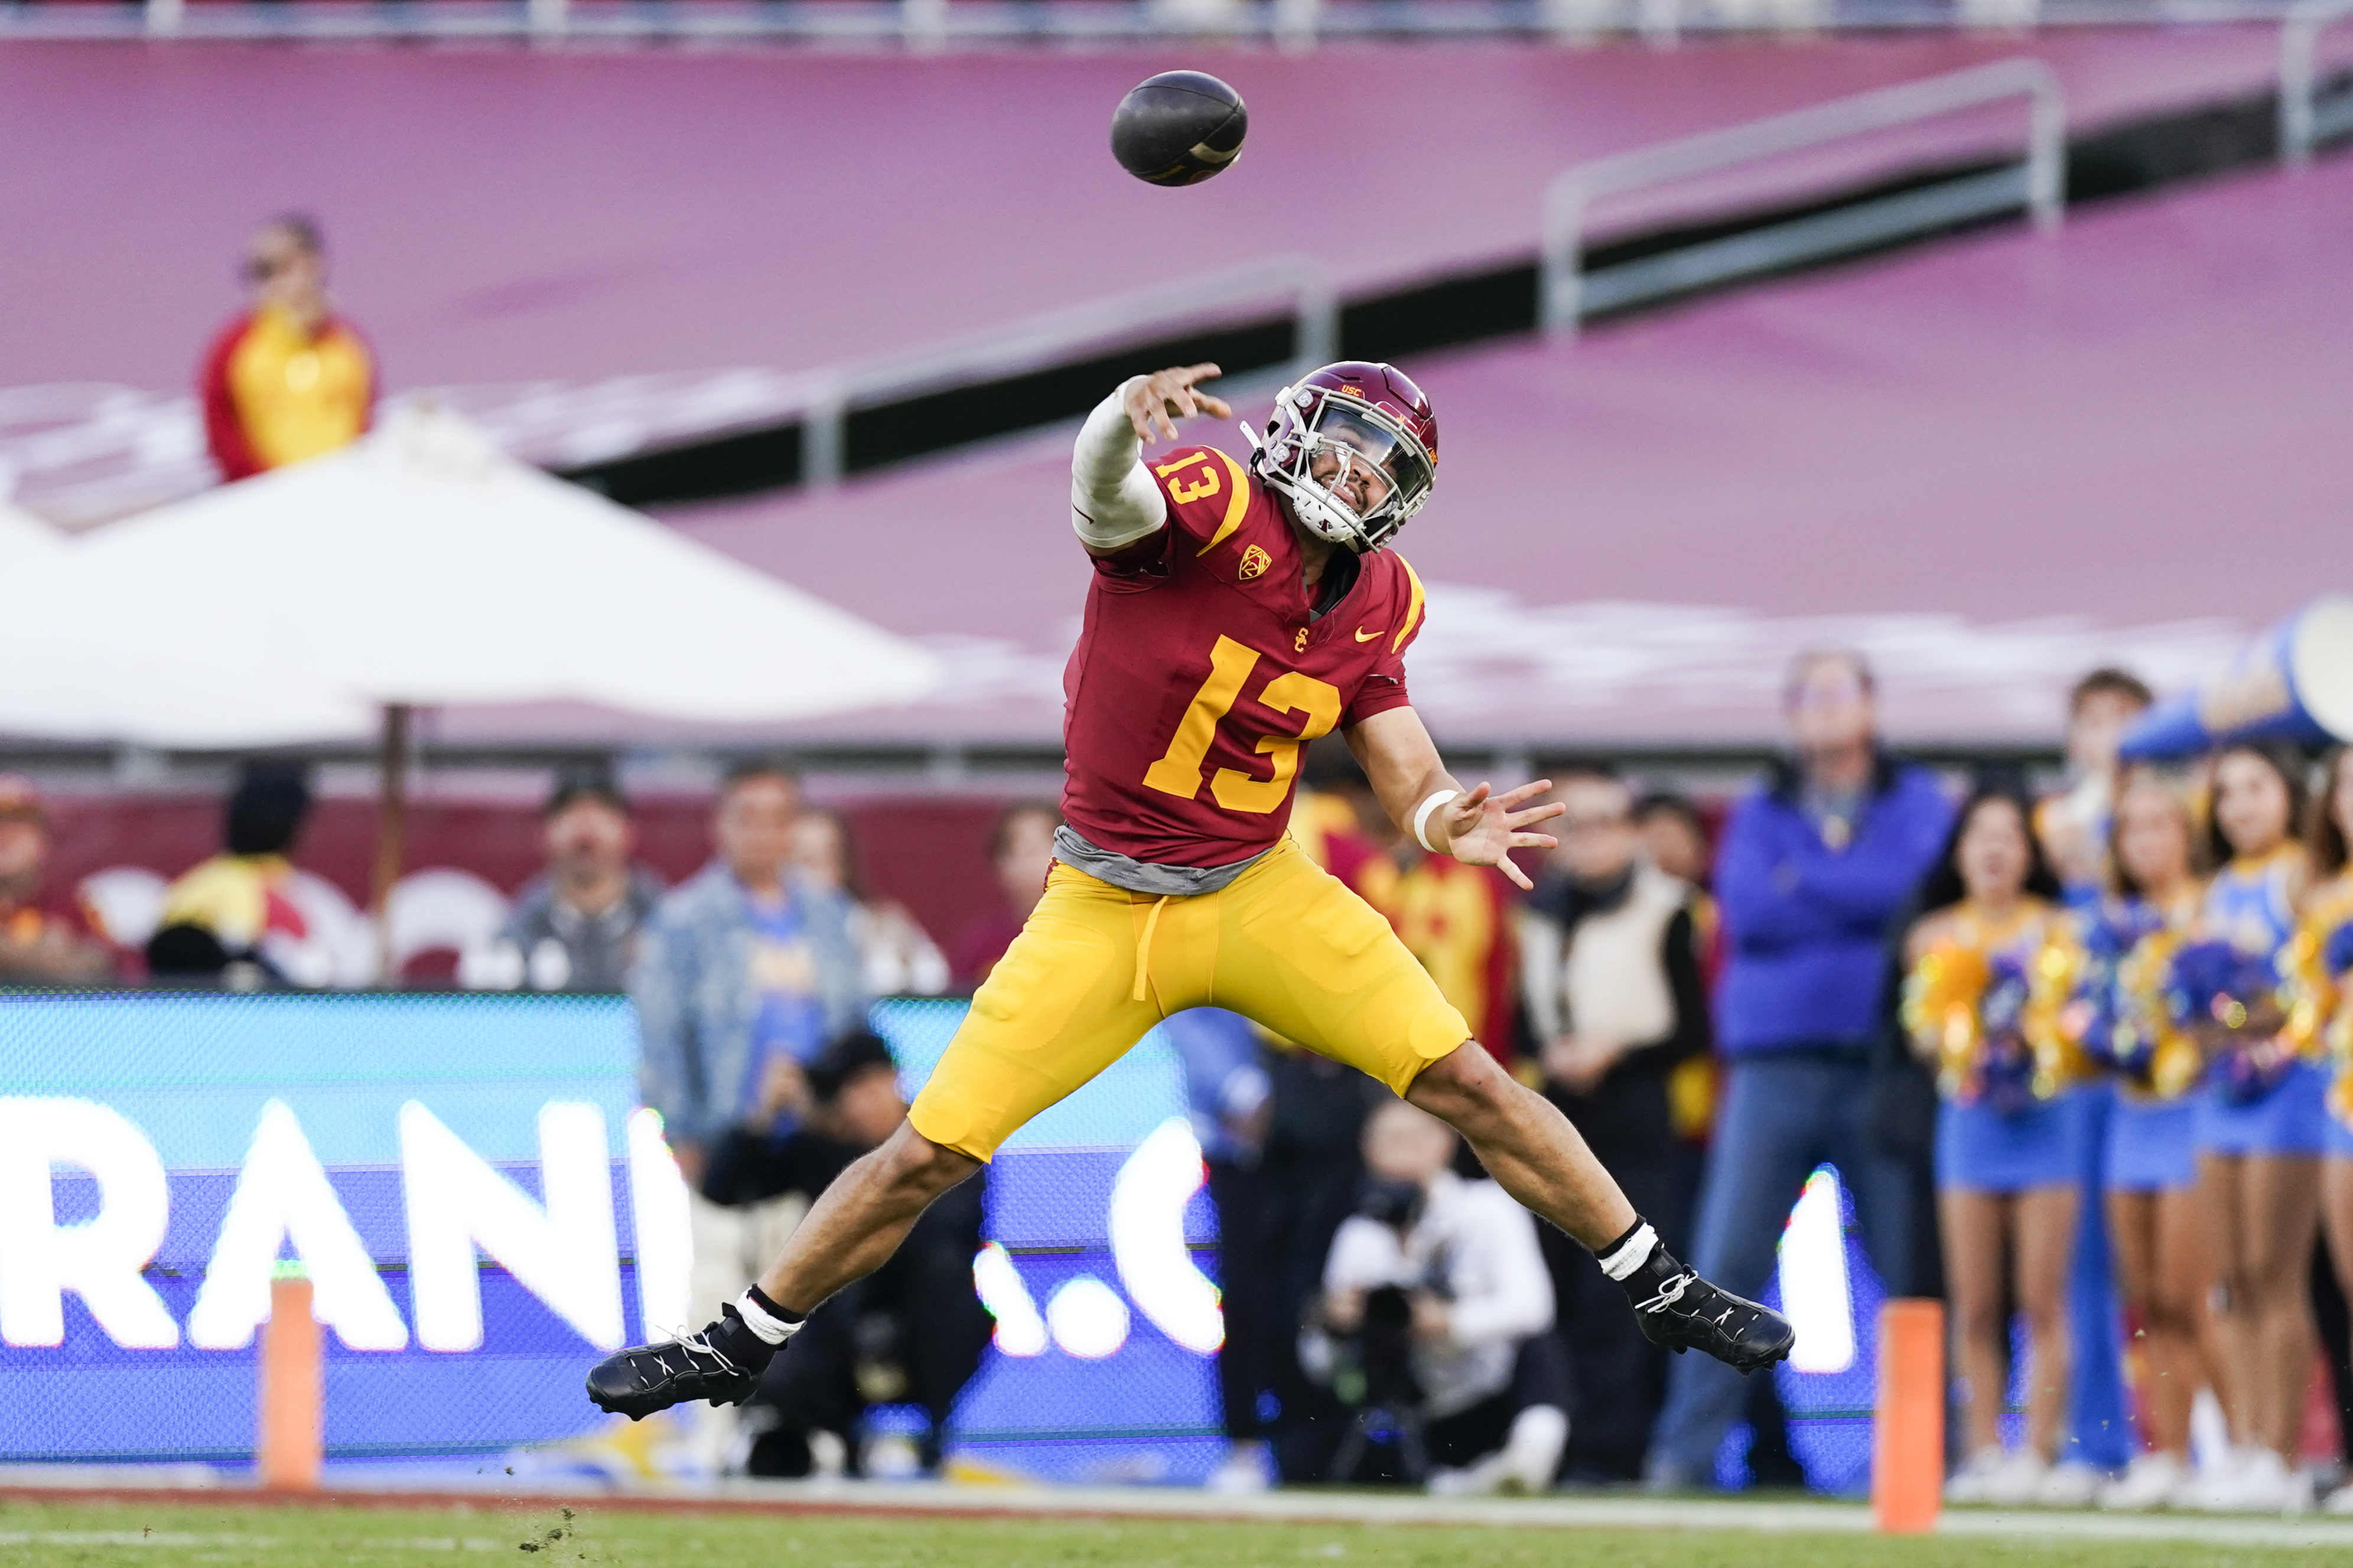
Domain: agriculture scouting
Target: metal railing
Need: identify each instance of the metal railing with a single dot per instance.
(1044, 342)
(1570, 293)
(2305, 119)
(923, 26)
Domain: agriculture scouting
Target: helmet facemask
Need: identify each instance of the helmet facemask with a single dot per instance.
(1352, 473)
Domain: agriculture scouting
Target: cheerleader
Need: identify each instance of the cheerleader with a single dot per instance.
(2325, 1003)
(1987, 970)
(2164, 1261)
(2260, 1122)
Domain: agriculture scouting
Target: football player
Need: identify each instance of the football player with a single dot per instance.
(1238, 612)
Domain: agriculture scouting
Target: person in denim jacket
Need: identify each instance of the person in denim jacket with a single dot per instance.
(744, 973)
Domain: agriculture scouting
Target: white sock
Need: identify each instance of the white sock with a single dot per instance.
(1631, 1253)
(771, 1329)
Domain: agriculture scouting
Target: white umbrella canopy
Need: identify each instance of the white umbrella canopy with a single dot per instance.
(89, 669)
(423, 568)
(26, 540)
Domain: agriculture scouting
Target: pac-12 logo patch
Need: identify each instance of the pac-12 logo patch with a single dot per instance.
(1254, 563)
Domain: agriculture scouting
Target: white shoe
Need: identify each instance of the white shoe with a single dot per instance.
(1532, 1453)
(1479, 1479)
(1245, 1469)
(893, 1456)
(2151, 1480)
(2069, 1485)
(2017, 1480)
(2259, 1481)
(1998, 1477)
(2340, 1501)
(1967, 1484)
(2216, 1489)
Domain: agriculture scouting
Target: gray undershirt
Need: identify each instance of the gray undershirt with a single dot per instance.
(1143, 876)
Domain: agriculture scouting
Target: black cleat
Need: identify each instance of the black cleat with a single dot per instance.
(638, 1382)
(1679, 1310)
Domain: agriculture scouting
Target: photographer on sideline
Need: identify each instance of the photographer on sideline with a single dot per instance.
(912, 1332)
(1455, 1266)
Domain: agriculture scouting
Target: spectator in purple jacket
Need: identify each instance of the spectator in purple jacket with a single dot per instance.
(1817, 867)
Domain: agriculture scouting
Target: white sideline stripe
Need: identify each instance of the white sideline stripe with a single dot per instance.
(2241, 1532)
(184, 1539)
(1794, 1517)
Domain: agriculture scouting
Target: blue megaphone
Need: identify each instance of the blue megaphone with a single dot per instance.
(2293, 684)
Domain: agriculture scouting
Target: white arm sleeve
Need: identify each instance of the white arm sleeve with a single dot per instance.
(1113, 500)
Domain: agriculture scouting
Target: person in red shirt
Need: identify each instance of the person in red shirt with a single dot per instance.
(43, 942)
(289, 379)
(1236, 614)
(1456, 918)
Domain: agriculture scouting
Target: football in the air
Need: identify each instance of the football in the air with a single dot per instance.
(1178, 128)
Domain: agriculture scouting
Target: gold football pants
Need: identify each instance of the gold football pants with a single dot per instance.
(1285, 945)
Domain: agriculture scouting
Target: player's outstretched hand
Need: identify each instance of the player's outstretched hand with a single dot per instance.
(1483, 829)
(1167, 395)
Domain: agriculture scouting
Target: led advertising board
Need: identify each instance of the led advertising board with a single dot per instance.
(483, 1210)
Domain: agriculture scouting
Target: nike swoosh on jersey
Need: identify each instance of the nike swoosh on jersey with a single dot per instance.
(1363, 636)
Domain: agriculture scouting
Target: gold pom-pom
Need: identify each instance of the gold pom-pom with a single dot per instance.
(1940, 1009)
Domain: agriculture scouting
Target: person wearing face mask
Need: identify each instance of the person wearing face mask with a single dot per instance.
(1815, 868)
(2262, 1122)
(1610, 962)
(2157, 1227)
(1435, 1307)
(1984, 1003)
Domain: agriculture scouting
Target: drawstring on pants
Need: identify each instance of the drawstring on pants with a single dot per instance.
(1143, 948)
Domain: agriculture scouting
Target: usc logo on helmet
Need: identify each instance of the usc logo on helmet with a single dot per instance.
(1254, 562)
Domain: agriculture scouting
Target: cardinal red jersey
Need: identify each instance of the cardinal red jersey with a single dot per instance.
(1198, 675)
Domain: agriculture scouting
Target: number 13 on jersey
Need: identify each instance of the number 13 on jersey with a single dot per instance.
(1179, 771)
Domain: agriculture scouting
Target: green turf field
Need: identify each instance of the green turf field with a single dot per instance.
(85, 1535)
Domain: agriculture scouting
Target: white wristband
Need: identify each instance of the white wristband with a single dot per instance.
(1421, 817)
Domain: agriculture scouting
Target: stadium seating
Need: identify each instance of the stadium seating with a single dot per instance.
(604, 254)
(1968, 439)
(512, 215)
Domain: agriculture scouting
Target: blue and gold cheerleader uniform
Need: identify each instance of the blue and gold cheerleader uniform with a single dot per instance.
(2121, 1017)
(2273, 1110)
(1989, 1002)
(2320, 1010)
